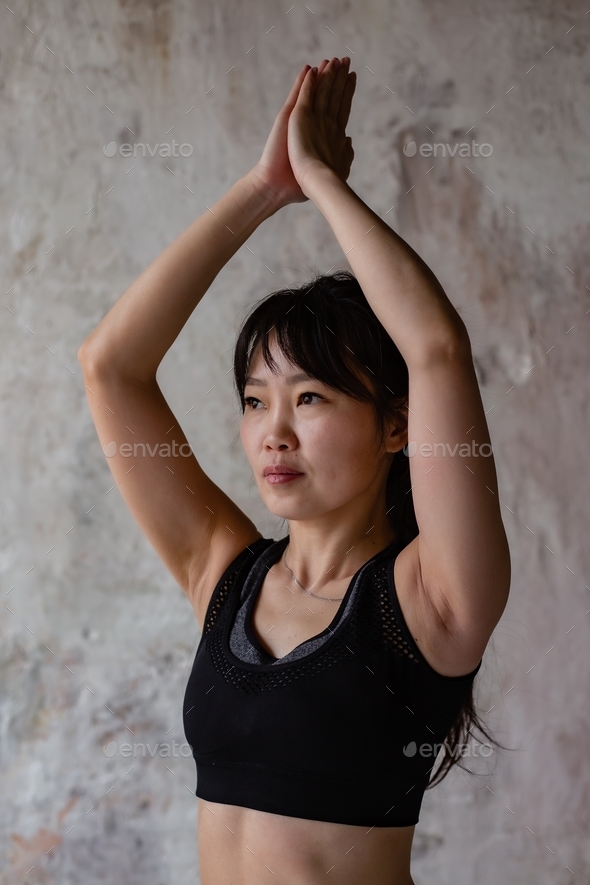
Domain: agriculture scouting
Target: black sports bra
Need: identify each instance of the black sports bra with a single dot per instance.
(330, 731)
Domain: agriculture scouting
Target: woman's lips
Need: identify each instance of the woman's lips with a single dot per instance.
(276, 478)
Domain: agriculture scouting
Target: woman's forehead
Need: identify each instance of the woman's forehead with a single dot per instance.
(258, 364)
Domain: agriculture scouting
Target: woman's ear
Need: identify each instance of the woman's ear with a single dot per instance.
(397, 436)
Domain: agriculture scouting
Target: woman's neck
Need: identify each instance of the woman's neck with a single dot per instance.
(318, 557)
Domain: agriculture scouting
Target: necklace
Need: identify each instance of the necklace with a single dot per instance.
(309, 593)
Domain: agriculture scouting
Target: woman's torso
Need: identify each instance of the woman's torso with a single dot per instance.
(245, 846)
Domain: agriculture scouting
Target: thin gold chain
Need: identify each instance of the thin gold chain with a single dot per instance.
(308, 592)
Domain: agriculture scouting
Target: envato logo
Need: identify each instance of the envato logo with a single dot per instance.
(429, 750)
(464, 450)
(164, 450)
(465, 149)
(131, 150)
(135, 750)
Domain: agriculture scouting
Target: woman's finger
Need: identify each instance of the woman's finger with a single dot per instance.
(346, 100)
(292, 97)
(337, 89)
(321, 68)
(324, 87)
(306, 92)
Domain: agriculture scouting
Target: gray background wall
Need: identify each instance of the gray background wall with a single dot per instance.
(96, 639)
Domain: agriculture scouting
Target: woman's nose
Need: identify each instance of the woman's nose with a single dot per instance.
(279, 433)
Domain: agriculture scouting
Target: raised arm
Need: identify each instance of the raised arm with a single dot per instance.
(462, 555)
(192, 524)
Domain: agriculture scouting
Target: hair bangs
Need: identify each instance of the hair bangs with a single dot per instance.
(326, 331)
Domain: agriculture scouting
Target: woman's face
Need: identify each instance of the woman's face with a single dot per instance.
(328, 437)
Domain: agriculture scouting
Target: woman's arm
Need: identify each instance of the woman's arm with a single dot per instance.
(463, 562)
(196, 529)
(137, 332)
(402, 290)
(398, 284)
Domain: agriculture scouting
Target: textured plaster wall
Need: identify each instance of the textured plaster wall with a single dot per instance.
(96, 639)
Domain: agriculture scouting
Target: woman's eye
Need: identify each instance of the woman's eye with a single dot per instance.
(309, 393)
(249, 400)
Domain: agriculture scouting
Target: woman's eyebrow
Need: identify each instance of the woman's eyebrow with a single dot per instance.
(292, 379)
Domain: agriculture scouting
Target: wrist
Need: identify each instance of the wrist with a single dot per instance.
(264, 191)
(317, 177)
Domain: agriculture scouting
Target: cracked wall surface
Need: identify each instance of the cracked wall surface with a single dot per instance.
(96, 638)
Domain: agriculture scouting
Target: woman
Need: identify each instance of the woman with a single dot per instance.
(335, 661)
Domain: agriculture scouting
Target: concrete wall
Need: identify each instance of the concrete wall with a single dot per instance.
(96, 637)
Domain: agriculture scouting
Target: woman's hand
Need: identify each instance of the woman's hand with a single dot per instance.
(273, 170)
(317, 122)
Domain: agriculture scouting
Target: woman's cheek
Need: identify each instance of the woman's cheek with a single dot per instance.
(248, 441)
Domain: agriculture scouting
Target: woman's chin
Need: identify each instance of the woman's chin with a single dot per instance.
(286, 510)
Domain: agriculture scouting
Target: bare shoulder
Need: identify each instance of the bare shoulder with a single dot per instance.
(224, 546)
(448, 654)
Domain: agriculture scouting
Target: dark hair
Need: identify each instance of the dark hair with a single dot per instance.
(327, 328)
